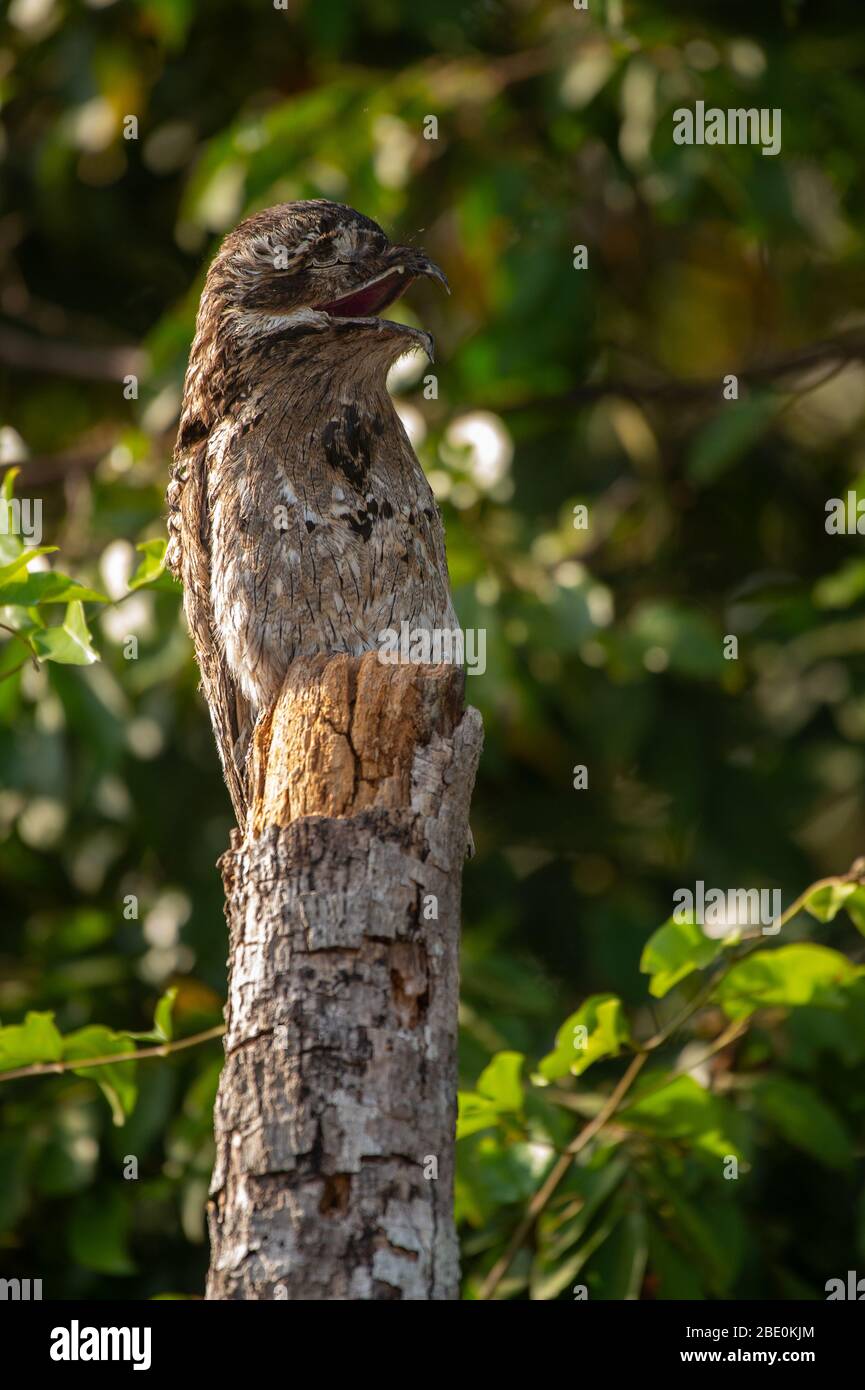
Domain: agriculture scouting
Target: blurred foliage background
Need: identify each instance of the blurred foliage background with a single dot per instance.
(556, 387)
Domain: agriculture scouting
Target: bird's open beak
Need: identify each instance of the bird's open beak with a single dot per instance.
(406, 265)
(417, 264)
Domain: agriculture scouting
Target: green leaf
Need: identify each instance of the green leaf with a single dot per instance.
(805, 1120)
(50, 587)
(565, 1224)
(675, 950)
(855, 908)
(474, 1113)
(825, 903)
(20, 562)
(581, 1216)
(499, 1092)
(115, 1080)
(151, 572)
(70, 644)
(802, 973)
(501, 1081)
(7, 488)
(493, 1171)
(548, 1284)
(813, 1030)
(11, 545)
(683, 1109)
(598, 1029)
(162, 1020)
(35, 1040)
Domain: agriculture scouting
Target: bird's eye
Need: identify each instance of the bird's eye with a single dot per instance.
(324, 254)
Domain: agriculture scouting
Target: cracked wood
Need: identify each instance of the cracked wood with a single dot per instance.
(336, 1109)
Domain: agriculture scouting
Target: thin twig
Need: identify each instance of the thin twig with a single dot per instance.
(839, 351)
(76, 1063)
(736, 1028)
(557, 1172)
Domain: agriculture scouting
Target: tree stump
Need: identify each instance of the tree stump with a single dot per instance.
(336, 1109)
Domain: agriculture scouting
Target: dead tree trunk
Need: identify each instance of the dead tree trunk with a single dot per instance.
(335, 1115)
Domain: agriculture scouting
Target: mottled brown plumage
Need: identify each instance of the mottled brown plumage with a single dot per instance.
(300, 520)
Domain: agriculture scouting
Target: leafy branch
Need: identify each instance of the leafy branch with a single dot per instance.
(37, 1048)
(28, 597)
(674, 951)
(166, 1049)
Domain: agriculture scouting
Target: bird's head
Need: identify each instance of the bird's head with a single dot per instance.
(317, 274)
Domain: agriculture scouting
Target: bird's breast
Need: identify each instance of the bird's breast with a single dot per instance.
(321, 539)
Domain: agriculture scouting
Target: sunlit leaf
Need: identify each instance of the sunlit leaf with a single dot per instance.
(499, 1092)
(675, 950)
(37, 1039)
(598, 1029)
(825, 903)
(501, 1081)
(151, 572)
(69, 644)
(13, 567)
(115, 1080)
(801, 973)
(162, 1019)
(47, 587)
(854, 906)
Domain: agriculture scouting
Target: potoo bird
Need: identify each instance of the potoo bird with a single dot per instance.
(300, 520)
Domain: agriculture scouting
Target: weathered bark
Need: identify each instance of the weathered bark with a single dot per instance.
(336, 1108)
